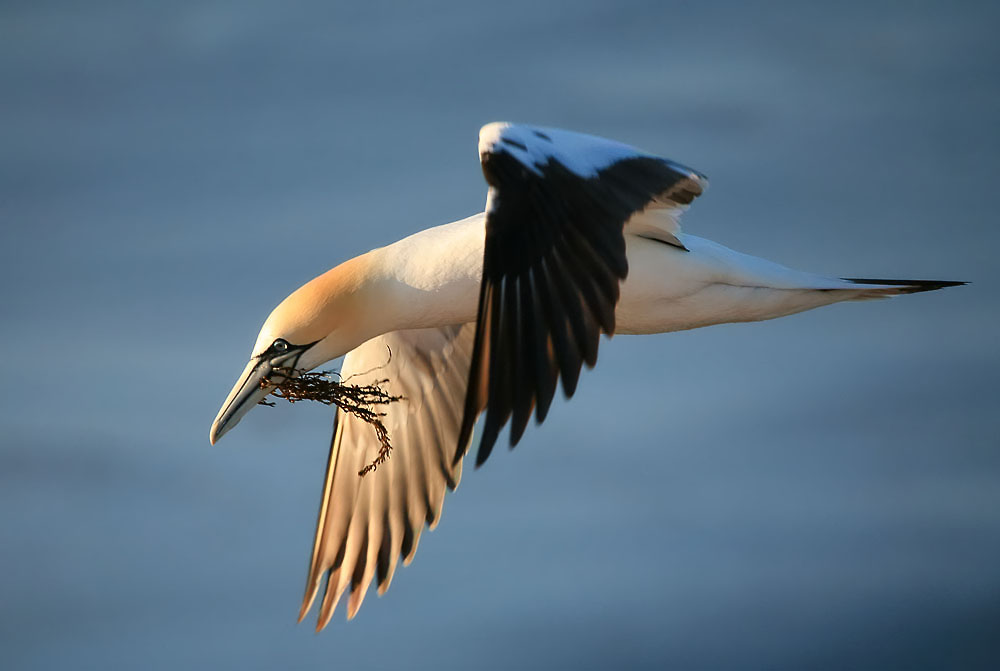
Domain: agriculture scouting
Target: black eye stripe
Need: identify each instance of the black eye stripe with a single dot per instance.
(282, 346)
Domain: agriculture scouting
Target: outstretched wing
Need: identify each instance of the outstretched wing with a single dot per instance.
(367, 522)
(553, 261)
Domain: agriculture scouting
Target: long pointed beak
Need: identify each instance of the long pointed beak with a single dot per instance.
(250, 389)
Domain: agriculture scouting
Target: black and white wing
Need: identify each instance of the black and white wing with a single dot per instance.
(554, 259)
(366, 523)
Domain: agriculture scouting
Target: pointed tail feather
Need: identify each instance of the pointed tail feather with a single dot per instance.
(905, 286)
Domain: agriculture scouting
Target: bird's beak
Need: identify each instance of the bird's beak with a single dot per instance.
(254, 384)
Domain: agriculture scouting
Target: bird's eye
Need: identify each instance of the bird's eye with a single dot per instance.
(280, 345)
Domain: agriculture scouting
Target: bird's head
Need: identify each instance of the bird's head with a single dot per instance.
(312, 326)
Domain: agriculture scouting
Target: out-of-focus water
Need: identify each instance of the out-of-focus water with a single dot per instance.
(821, 491)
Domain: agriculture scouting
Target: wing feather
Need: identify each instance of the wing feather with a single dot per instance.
(553, 262)
(366, 523)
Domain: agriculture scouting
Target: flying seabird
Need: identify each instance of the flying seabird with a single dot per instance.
(580, 236)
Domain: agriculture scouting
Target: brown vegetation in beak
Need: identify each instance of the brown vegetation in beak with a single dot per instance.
(361, 401)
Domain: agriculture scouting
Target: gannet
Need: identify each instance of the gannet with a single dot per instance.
(580, 236)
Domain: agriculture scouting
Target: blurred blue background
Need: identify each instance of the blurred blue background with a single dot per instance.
(821, 491)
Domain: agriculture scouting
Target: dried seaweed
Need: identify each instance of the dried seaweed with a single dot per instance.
(358, 400)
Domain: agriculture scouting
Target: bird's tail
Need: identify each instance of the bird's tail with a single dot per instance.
(883, 288)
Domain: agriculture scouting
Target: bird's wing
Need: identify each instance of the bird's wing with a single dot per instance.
(661, 220)
(367, 522)
(554, 258)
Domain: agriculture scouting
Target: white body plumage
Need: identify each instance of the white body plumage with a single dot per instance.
(431, 278)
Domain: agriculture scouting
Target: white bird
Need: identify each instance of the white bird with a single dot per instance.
(580, 236)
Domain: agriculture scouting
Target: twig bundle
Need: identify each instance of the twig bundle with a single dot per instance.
(357, 400)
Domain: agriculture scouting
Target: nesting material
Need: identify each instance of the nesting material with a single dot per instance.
(362, 401)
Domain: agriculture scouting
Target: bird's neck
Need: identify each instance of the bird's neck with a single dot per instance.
(430, 279)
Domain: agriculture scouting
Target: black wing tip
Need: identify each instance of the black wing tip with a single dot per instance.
(908, 286)
(481, 457)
